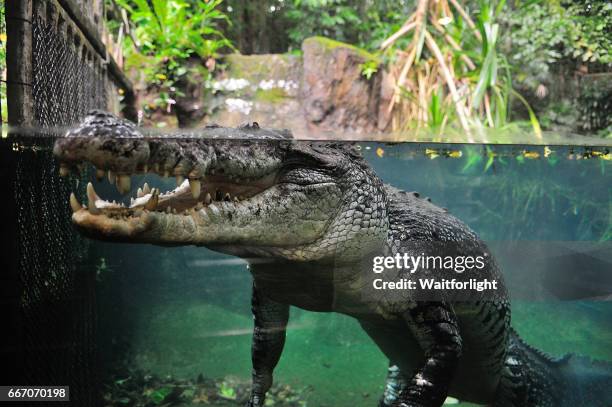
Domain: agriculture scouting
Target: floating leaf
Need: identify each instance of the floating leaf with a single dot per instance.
(431, 153)
(547, 151)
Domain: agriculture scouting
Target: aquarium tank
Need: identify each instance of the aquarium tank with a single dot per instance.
(306, 203)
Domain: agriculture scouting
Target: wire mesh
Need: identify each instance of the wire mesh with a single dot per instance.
(57, 302)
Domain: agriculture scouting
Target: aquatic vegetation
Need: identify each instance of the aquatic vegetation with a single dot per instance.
(226, 391)
(541, 193)
(143, 389)
(160, 395)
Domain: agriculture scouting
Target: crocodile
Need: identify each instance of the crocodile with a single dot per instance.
(306, 216)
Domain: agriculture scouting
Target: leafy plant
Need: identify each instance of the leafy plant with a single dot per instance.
(365, 24)
(450, 68)
(169, 32)
(545, 33)
(369, 68)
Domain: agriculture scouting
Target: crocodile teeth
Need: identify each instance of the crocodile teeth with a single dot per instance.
(92, 197)
(207, 199)
(74, 203)
(236, 199)
(146, 189)
(151, 204)
(179, 180)
(168, 209)
(91, 193)
(204, 216)
(64, 170)
(139, 193)
(111, 177)
(123, 184)
(227, 197)
(214, 209)
(196, 187)
(140, 201)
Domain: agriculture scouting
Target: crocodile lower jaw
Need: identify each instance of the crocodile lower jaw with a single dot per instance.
(200, 199)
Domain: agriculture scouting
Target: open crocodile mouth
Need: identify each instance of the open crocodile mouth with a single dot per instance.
(201, 199)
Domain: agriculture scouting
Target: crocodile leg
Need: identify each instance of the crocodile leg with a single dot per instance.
(392, 341)
(434, 325)
(270, 323)
(395, 384)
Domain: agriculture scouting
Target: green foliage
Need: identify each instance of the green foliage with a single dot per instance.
(545, 32)
(171, 31)
(549, 182)
(590, 30)
(369, 68)
(330, 17)
(489, 30)
(362, 23)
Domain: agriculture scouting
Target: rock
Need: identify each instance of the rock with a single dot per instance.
(260, 70)
(336, 95)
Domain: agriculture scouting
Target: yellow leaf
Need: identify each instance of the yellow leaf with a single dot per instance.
(607, 157)
(3, 37)
(161, 76)
(431, 153)
(531, 154)
(455, 154)
(380, 152)
(547, 151)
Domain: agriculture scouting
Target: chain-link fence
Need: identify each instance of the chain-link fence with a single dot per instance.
(57, 71)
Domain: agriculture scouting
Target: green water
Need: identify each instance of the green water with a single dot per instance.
(185, 311)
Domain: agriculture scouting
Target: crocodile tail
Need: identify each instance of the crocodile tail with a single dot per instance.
(533, 378)
(586, 382)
